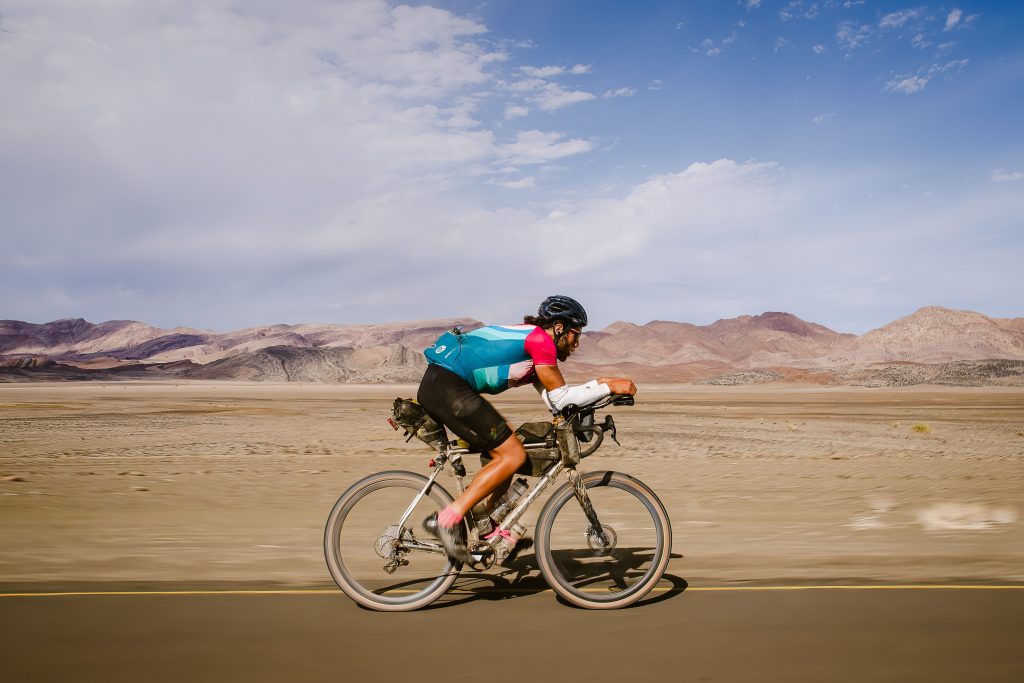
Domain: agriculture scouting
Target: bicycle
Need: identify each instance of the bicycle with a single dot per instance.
(607, 552)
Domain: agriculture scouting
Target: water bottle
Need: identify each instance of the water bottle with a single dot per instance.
(508, 501)
(481, 519)
(507, 544)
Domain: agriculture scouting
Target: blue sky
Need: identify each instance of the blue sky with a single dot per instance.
(220, 165)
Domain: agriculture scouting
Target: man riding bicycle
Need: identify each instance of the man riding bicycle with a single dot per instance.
(489, 360)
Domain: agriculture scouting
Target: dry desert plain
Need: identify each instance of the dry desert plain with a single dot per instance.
(137, 484)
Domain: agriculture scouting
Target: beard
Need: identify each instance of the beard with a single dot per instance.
(563, 349)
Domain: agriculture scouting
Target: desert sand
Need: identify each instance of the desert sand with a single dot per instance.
(141, 483)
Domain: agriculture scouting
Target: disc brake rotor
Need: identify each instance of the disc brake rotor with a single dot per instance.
(386, 543)
(594, 541)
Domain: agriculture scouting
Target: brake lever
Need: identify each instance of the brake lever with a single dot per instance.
(608, 427)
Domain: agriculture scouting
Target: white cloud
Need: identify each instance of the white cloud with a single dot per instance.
(851, 35)
(553, 96)
(953, 18)
(538, 147)
(546, 94)
(781, 43)
(552, 71)
(542, 71)
(1001, 176)
(527, 85)
(621, 92)
(898, 19)
(819, 49)
(680, 25)
(656, 84)
(753, 4)
(956, 20)
(821, 118)
(714, 51)
(920, 42)
(515, 111)
(799, 9)
(525, 183)
(908, 84)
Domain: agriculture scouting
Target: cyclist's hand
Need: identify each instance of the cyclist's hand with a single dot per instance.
(620, 386)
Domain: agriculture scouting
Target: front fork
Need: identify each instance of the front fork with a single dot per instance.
(596, 530)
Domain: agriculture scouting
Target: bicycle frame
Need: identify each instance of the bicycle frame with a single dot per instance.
(452, 455)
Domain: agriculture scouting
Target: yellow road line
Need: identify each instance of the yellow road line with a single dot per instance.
(330, 591)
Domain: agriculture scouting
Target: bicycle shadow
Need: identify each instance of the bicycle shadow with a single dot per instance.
(521, 577)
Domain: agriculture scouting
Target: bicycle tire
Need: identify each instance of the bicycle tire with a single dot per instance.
(604, 578)
(343, 559)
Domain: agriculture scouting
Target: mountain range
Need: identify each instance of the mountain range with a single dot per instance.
(932, 345)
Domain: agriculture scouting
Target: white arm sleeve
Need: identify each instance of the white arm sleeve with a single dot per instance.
(581, 395)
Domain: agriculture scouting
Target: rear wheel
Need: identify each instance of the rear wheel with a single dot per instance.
(609, 570)
(378, 563)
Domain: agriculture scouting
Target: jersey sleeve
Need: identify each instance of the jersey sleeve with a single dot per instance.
(541, 348)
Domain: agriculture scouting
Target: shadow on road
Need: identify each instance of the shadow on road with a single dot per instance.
(522, 578)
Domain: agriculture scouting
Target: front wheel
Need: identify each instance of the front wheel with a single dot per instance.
(617, 567)
(378, 562)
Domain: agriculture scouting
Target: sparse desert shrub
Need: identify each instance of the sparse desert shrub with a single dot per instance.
(921, 428)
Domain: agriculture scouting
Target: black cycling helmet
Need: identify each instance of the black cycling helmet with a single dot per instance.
(563, 308)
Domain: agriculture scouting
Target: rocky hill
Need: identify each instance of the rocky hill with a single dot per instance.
(769, 339)
(932, 345)
(935, 335)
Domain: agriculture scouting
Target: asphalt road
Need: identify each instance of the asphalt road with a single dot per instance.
(697, 633)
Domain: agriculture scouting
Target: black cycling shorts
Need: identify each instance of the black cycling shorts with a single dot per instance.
(451, 401)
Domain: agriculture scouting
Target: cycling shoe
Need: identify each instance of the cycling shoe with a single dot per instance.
(453, 539)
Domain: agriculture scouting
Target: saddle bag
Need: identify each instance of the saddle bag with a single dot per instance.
(410, 416)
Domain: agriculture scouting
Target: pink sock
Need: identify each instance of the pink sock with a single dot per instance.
(448, 518)
(505, 533)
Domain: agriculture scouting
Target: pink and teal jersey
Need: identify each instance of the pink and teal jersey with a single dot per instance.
(494, 358)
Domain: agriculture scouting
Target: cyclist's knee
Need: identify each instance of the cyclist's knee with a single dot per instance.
(510, 452)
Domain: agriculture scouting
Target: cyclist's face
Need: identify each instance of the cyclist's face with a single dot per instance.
(568, 342)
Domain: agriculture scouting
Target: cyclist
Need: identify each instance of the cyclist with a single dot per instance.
(489, 360)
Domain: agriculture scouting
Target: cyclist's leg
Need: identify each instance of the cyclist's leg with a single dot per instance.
(495, 477)
(450, 400)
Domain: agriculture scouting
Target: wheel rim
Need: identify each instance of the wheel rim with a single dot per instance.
(365, 528)
(585, 569)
